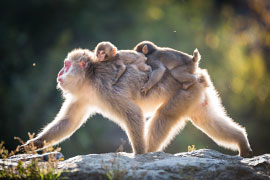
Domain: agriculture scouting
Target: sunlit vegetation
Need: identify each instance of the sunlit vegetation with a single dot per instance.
(28, 169)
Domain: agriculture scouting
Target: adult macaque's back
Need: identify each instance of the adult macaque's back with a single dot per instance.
(87, 87)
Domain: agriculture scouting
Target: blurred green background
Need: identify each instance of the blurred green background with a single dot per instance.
(233, 38)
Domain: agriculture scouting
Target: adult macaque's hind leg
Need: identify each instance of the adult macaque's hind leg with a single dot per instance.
(211, 118)
(169, 118)
(162, 128)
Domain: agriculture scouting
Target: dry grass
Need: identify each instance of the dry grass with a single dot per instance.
(33, 168)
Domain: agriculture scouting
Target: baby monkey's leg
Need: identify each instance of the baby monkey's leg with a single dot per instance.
(183, 76)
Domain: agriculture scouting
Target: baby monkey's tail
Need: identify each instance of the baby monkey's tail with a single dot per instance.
(196, 56)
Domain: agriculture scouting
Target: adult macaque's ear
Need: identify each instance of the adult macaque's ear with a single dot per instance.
(114, 51)
(145, 49)
(84, 65)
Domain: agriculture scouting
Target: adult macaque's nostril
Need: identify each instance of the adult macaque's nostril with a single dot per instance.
(60, 80)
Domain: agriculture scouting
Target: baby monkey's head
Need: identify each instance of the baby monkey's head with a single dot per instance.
(145, 47)
(105, 51)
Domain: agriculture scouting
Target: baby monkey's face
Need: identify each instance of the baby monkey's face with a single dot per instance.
(101, 55)
(105, 52)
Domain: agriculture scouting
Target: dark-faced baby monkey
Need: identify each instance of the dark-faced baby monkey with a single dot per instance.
(181, 65)
(106, 51)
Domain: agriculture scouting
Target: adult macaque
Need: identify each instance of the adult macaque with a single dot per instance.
(87, 88)
(106, 51)
(181, 65)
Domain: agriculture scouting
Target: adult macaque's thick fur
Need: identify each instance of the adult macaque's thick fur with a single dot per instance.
(90, 91)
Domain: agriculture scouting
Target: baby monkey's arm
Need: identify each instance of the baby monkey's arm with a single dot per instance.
(121, 69)
(155, 76)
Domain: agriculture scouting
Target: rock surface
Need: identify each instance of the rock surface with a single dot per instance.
(200, 164)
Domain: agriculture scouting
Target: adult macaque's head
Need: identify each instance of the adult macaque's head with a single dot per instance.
(72, 74)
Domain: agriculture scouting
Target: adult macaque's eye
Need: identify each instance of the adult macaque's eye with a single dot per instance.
(82, 64)
(67, 63)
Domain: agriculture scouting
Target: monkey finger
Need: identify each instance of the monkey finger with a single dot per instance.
(144, 90)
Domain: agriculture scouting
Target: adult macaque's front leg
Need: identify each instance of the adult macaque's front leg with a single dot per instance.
(70, 117)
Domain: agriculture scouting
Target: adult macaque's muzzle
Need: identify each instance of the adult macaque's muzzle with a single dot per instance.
(61, 72)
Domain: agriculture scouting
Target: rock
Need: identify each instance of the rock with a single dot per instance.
(200, 164)
(12, 161)
(41, 157)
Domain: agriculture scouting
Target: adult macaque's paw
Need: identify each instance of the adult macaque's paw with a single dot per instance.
(248, 153)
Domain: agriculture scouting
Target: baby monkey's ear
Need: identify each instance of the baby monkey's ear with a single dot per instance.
(114, 51)
(145, 50)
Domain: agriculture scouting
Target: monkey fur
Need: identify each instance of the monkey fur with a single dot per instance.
(87, 89)
(181, 65)
(106, 51)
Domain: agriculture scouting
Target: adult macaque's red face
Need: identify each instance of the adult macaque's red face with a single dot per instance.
(72, 75)
(65, 69)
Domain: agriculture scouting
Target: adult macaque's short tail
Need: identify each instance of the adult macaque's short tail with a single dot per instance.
(196, 56)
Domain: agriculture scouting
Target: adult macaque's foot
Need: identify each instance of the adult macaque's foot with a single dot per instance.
(248, 153)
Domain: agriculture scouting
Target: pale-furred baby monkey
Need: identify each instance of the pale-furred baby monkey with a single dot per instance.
(106, 51)
(181, 65)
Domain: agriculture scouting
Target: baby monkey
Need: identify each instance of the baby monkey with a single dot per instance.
(181, 65)
(106, 51)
